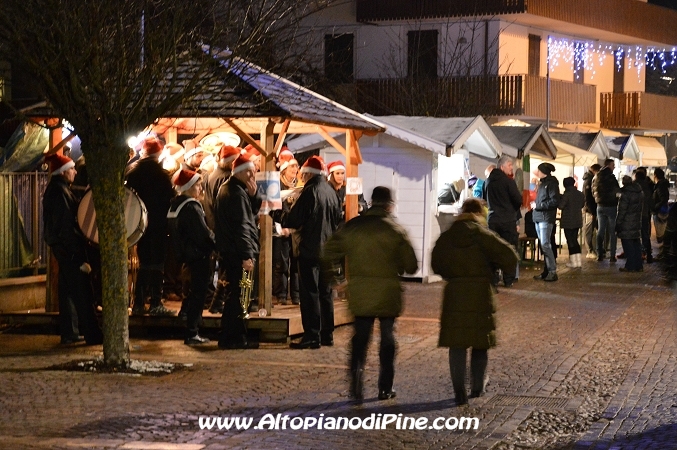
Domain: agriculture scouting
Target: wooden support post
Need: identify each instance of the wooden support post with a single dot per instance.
(52, 294)
(351, 171)
(171, 135)
(265, 293)
(281, 137)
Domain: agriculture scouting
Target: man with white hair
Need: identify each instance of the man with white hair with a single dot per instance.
(154, 186)
(504, 201)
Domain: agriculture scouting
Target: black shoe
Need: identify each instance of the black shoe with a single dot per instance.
(461, 398)
(541, 276)
(196, 340)
(508, 285)
(552, 276)
(295, 301)
(302, 345)
(356, 380)
(600, 258)
(72, 340)
(612, 259)
(476, 394)
(386, 395)
(327, 341)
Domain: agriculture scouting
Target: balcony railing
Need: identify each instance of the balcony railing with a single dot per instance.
(508, 95)
(638, 109)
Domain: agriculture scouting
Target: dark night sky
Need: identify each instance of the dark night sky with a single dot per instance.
(667, 3)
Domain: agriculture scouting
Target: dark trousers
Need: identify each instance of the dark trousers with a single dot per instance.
(633, 253)
(151, 250)
(317, 307)
(508, 231)
(172, 281)
(76, 307)
(200, 275)
(646, 235)
(281, 265)
(233, 330)
(572, 240)
(363, 327)
(294, 284)
(478, 368)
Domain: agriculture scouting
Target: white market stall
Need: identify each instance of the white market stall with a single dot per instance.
(577, 152)
(413, 157)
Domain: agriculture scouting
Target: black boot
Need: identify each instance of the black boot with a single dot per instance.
(356, 379)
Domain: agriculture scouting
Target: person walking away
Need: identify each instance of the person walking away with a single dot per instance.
(572, 204)
(590, 211)
(237, 239)
(373, 290)
(193, 244)
(661, 196)
(545, 213)
(629, 224)
(67, 244)
(604, 188)
(154, 186)
(647, 186)
(317, 214)
(464, 256)
(504, 201)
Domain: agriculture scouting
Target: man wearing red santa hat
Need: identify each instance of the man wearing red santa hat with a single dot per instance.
(76, 308)
(317, 214)
(193, 243)
(154, 186)
(237, 240)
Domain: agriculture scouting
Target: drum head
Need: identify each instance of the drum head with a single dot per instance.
(136, 217)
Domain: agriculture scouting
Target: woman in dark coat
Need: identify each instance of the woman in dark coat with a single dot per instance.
(571, 204)
(629, 224)
(464, 256)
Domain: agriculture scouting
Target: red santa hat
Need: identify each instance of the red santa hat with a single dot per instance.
(192, 152)
(228, 153)
(334, 166)
(241, 164)
(152, 146)
(184, 179)
(314, 165)
(58, 163)
(251, 152)
(286, 159)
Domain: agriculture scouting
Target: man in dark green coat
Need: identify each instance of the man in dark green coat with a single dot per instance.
(464, 256)
(377, 252)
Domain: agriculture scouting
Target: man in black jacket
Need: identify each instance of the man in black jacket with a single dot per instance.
(629, 224)
(604, 188)
(154, 186)
(504, 201)
(237, 240)
(590, 210)
(76, 308)
(661, 196)
(193, 243)
(647, 186)
(317, 214)
(545, 213)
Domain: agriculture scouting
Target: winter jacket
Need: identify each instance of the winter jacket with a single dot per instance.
(629, 218)
(503, 198)
(377, 251)
(547, 199)
(191, 237)
(237, 237)
(605, 187)
(316, 214)
(465, 256)
(361, 202)
(647, 188)
(212, 185)
(154, 186)
(590, 203)
(61, 230)
(571, 204)
(661, 196)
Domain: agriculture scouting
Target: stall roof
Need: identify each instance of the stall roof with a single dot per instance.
(444, 135)
(520, 140)
(653, 152)
(591, 142)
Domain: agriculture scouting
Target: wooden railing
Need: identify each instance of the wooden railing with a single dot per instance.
(638, 109)
(508, 95)
(374, 10)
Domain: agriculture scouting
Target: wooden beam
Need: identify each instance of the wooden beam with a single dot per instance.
(354, 137)
(334, 143)
(247, 138)
(351, 171)
(281, 137)
(266, 224)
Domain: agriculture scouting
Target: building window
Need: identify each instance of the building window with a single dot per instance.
(422, 62)
(534, 55)
(338, 58)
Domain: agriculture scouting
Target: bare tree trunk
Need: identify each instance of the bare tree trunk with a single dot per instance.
(105, 166)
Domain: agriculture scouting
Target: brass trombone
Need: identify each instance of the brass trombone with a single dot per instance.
(246, 286)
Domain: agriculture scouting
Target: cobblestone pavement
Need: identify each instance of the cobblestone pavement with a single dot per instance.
(585, 363)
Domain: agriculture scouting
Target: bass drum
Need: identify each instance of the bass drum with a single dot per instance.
(136, 217)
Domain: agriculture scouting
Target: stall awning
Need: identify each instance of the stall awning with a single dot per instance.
(520, 140)
(444, 135)
(593, 143)
(652, 151)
